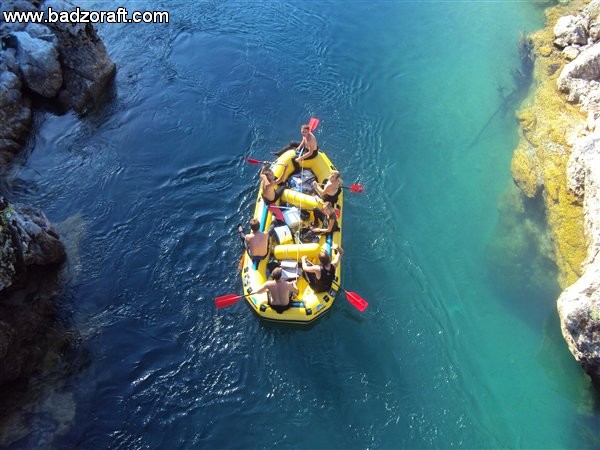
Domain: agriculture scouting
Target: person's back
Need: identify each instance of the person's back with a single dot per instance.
(279, 291)
(258, 242)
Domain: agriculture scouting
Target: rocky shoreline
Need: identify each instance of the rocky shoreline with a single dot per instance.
(61, 67)
(558, 159)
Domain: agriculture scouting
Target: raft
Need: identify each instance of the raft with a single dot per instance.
(287, 248)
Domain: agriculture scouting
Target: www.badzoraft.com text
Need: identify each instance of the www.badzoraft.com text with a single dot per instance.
(78, 15)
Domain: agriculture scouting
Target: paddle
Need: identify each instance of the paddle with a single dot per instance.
(356, 300)
(227, 300)
(313, 123)
(356, 188)
(256, 161)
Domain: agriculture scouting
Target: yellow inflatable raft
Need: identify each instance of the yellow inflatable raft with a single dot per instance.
(288, 246)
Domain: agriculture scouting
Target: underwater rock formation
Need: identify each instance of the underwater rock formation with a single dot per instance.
(559, 158)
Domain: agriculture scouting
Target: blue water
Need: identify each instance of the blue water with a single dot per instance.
(452, 353)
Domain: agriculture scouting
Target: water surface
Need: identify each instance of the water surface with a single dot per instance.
(450, 353)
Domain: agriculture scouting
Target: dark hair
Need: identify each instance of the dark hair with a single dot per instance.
(276, 274)
(305, 127)
(254, 224)
(324, 258)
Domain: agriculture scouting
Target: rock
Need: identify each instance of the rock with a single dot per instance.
(64, 62)
(15, 112)
(571, 52)
(579, 78)
(38, 62)
(525, 171)
(26, 239)
(87, 68)
(545, 51)
(579, 304)
(570, 30)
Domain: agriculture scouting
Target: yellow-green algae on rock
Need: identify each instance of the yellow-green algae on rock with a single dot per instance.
(540, 160)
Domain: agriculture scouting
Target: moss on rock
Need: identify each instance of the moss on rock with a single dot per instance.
(541, 156)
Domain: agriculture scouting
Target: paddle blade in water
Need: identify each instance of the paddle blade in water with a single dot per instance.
(357, 188)
(313, 123)
(226, 300)
(357, 301)
(253, 161)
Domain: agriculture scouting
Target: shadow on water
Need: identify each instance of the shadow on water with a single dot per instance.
(520, 258)
(522, 78)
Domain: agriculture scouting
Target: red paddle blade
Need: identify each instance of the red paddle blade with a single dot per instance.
(253, 161)
(276, 212)
(226, 300)
(313, 123)
(358, 188)
(357, 301)
(338, 213)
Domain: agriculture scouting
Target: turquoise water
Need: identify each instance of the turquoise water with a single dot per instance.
(452, 352)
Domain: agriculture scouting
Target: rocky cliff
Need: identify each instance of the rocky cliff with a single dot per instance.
(558, 158)
(50, 66)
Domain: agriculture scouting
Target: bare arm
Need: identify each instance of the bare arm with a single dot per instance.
(310, 268)
(294, 286)
(263, 288)
(317, 187)
(302, 144)
(330, 224)
(339, 251)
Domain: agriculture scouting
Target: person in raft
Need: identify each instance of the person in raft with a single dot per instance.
(279, 291)
(268, 182)
(331, 191)
(326, 214)
(321, 277)
(257, 242)
(308, 148)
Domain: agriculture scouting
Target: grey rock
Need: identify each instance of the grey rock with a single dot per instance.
(570, 30)
(26, 239)
(571, 52)
(38, 61)
(580, 78)
(15, 114)
(66, 62)
(579, 304)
